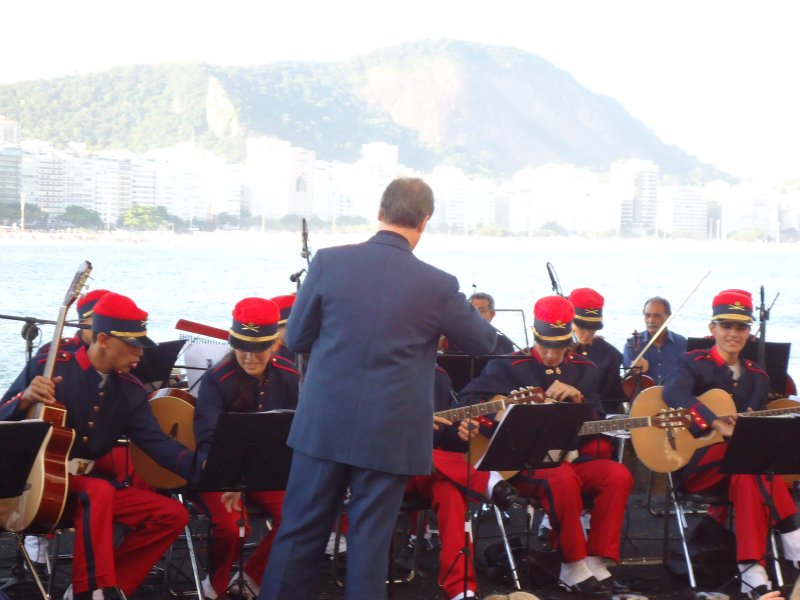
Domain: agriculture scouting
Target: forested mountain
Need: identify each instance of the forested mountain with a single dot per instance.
(485, 109)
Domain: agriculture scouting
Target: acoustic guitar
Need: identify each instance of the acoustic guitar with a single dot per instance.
(174, 410)
(667, 420)
(39, 508)
(664, 451)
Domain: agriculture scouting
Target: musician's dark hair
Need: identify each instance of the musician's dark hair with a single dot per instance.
(245, 399)
(406, 202)
(483, 296)
(663, 301)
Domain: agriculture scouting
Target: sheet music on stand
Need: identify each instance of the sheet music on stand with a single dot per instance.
(529, 433)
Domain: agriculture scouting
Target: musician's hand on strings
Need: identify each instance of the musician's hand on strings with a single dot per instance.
(232, 501)
(467, 429)
(563, 392)
(437, 421)
(41, 389)
(773, 595)
(642, 365)
(724, 425)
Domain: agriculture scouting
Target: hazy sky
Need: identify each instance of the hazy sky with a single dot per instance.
(718, 78)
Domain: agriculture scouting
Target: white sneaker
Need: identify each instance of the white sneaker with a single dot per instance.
(67, 592)
(790, 542)
(96, 595)
(332, 544)
(208, 589)
(252, 589)
(36, 546)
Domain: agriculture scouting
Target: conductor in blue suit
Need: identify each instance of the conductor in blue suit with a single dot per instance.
(370, 315)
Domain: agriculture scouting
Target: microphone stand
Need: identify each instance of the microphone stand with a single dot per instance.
(30, 330)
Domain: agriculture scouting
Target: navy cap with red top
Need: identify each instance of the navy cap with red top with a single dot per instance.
(255, 324)
(285, 304)
(118, 316)
(85, 304)
(552, 321)
(588, 306)
(732, 305)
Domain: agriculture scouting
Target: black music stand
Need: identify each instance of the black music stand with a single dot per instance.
(534, 436)
(157, 362)
(20, 442)
(248, 453)
(764, 446)
(529, 432)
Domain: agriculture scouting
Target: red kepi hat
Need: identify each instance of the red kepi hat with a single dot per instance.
(588, 308)
(255, 324)
(552, 322)
(285, 304)
(85, 304)
(118, 316)
(732, 305)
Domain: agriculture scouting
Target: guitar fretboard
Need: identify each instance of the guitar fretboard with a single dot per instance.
(592, 427)
(473, 410)
(772, 412)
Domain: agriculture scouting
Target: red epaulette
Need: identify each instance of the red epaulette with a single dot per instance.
(523, 360)
(284, 364)
(131, 378)
(62, 356)
(577, 359)
(754, 368)
(700, 355)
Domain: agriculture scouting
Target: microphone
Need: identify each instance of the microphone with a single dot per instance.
(294, 277)
(304, 252)
(553, 281)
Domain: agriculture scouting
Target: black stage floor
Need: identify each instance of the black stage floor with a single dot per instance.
(641, 566)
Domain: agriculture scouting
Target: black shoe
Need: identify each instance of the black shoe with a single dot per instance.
(504, 495)
(615, 586)
(756, 592)
(590, 588)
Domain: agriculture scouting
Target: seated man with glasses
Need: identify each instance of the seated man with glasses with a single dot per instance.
(722, 367)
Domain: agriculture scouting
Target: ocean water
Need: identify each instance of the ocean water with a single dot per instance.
(200, 277)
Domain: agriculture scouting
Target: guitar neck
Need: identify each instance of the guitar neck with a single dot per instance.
(473, 410)
(593, 427)
(772, 412)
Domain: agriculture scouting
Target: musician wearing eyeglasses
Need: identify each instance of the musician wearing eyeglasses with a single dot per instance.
(662, 355)
(747, 383)
(103, 403)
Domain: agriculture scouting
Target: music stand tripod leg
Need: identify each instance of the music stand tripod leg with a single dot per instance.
(29, 562)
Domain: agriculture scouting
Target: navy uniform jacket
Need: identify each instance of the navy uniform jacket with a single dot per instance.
(371, 315)
(701, 370)
(218, 393)
(608, 360)
(502, 376)
(101, 413)
(661, 360)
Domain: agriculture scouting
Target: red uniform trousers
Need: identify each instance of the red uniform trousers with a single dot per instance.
(748, 494)
(561, 489)
(225, 536)
(119, 465)
(154, 521)
(445, 488)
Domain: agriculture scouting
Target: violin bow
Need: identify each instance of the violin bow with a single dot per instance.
(666, 323)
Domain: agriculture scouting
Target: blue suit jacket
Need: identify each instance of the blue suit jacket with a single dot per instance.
(371, 315)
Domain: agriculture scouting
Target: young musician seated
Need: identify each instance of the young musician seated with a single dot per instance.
(251, 378)
(722, 367)
(104, 402)
(568, 377)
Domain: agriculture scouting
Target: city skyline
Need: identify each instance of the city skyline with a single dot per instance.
(712, 78)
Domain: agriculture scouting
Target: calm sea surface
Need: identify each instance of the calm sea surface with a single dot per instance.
(200, 277)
